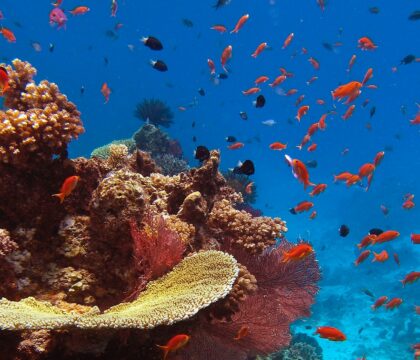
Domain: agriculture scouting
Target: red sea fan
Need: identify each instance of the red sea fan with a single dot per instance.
(285, 292)
(156, 249)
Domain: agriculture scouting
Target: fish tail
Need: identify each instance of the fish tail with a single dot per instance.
(165, 350)
(61, 196)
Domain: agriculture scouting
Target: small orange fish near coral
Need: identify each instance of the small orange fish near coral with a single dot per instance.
(299, 171)
(318, 189)
(298, 252)
(278, 146)
(261, 79)
(240, 23)
(106, 91)
(220, 28)
(366, 169)
(362, 257)
(349, 112)
(68, 186)
(226, 55)
(248, 188)
(386, 236)
(211, 65)
(4, 80)
(379, 302)
(236, 146)
(392, 304)
(411, 277)
(251, 91)
(242, 332)
(301, 207)
(175, 343)
(302, 112)
(8, 34)
(79, 10)
(330, 333)
(381, 257)
(350, 90)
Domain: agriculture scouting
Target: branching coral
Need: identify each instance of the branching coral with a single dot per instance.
(155, 111)
(40, 121)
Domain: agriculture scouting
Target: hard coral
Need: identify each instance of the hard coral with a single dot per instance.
(155, 111)
(40, 121)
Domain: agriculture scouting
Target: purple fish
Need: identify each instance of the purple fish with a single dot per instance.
(58, 17)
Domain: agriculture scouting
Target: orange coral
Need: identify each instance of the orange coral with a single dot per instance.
(40, 121)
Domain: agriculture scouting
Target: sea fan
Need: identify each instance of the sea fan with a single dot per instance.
(155, 111)
(156, 248)
(285, 292)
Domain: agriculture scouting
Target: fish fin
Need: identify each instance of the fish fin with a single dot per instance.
(165, 350)
(61, 196)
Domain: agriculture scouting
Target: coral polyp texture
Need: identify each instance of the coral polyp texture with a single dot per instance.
(132, 257)
(39, 122)
(198, 281)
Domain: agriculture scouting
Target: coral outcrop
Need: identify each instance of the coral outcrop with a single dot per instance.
(132, 256)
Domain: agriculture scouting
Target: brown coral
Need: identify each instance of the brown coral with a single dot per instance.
(40, 121)
(253, 234)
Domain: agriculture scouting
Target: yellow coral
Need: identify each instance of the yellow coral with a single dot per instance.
(195, 283)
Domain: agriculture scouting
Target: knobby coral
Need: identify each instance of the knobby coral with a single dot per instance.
(127, 229)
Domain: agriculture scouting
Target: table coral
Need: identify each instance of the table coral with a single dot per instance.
(40, 121)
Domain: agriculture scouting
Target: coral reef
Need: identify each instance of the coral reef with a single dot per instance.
(40, 120)
(103, 152)
(170, 164)
(239, 182)
(175, 246)
(155, 112)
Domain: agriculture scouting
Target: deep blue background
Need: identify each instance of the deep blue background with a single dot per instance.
(78, 60)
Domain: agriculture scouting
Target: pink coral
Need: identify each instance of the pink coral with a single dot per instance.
(156, 249)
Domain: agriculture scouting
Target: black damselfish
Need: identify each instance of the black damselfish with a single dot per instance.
(152, 43)
(230, 139)
(343, 230)
(159, 65)
(246, 168)
(375, 231)
(260, 102)
(201, 153)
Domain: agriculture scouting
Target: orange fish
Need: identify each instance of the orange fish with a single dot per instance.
(106, 91)
(362, 257)
(212, 67)
(285, 72)
(321, 4)
(384, 210)
(242, 332)
(344, 176)
(4, 80)
(314, 62)
(392, 304)
(350, 90)
(68, 186)
(311, 80)
(220, 28)
(291, 92)
(320, 102)
(251, 91)
(366, 241)
(240, 23)
(235, 146)
(321, 123)
(79, 10)
(278, 80)
(297, 252)
(312, 147)
(386, 236)
(349, 112)
(299, 171)
(313, 129)
(318, 189)
(248, 188)
(313, 215)
(415, 239)
(8, 34)
(304, 141)
(353, 180)
(378, 158)
(379, 302)
(302, 112)
(288, 40)
(416, 120)
(411, 277)
(261, 80)
(299, 100)
(366, 169)
(330, 333)
(278, 146)
(351, 63)
(175, 343)
(381, 257)
(366, 44)
(259, 49)
(226, 55)
(374, 87)
(301, 207)
(368, 76)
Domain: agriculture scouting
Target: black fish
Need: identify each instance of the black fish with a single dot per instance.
(292, 211)
(311, 164)
(51, 47)
(375, 231)
(374, 10)
(260, 102)
(246, 168)
(82, 90)
(222, 76)
(187, 22)
(152, 43)
(368, 293)
(221, 3)
(343, 230)
(243, 115)
(159, 65)
(193, 124)
(328, 46)
(230, 139)
(408, 60)
(201, 153)
(194, 139)
(111, 34)
(360, 330)
(372, 111)
(201, 91)
(415, 15)
(308, 327)
(106, 61)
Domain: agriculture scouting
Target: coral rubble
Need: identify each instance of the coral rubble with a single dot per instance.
(133, 257)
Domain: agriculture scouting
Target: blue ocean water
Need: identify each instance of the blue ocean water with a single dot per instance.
(85, 56)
